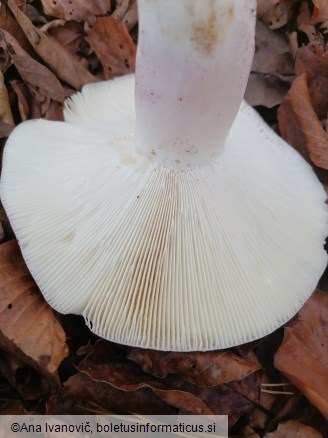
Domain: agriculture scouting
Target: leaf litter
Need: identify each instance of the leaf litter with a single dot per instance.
(274, 387)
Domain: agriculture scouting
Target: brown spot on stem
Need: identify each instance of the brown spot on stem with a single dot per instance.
(205, 34)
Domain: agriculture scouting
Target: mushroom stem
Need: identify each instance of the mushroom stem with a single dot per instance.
(189, 49)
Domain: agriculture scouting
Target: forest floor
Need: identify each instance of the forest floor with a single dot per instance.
(51, 363)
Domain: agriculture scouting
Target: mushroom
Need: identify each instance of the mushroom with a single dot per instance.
(175, 219)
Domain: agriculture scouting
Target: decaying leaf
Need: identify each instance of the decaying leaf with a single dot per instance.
(113, 45)
(62, 63)
(274, 12)
(316, 138)
(33, 73)
(302, 357)
(10, 25)
(6, 118)
(272, 69)
(29, 328)
(143, 401)
(295, 429)
(320, 12)
(77, 10)
(23, 99)
(210, 368)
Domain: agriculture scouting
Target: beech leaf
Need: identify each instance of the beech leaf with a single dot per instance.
(62, 63)
(302, 357)
(6, 118)
(29, 328)
(210, 368)
(76, 10)
(113, 45)
(293, 428)
(316, 139)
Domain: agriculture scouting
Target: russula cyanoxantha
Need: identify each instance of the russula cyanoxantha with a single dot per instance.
(175, 219)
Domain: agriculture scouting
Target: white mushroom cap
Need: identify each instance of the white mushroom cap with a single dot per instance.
(160, 251)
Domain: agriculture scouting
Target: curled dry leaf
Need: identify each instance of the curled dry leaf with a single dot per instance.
(272, 69)
(76, 10)
(62, 63)
(10, 25)
(210, 368)
(302, 357)
(104, 364)
(143, 401)
(31, 71)
(127, 12)
(6, 118)
(69, 34)
(293, 428)
(297, 108)
(23, 98)
(320, 12)
(113, 45)
(28, 327)
(274, 12)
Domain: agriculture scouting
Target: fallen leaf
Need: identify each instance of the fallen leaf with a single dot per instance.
(126, 11)
(62, 63)
(298, 106)
(272, 69)
(69, 34)
(6, 118)
(105, 364)
(23, 98)
(210, 368)
(320, 12)
(248, 432)
(24, 379)
(293, 428)
(31, 71)
(76, 10)
(10, 25)
(274, 12)
(143, 401)
(304, 22)
(302, 357)
(29, 329)
(113, 45)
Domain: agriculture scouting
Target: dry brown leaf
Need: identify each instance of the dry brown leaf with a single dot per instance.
(211, 368)
(274, 12)
(61, 62)
(272, 69)
(113, 45)
(105, 364)
(6, 118)
(29, 328)
(248, 432)
(295, 429)
(304, 22)
(23, 98)
(31, 71)
(76, 10)
(320, 12)
(10, 25)
(143, 401)
(298, 106)
(302, 357)
(130, 19)
(69, 34)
